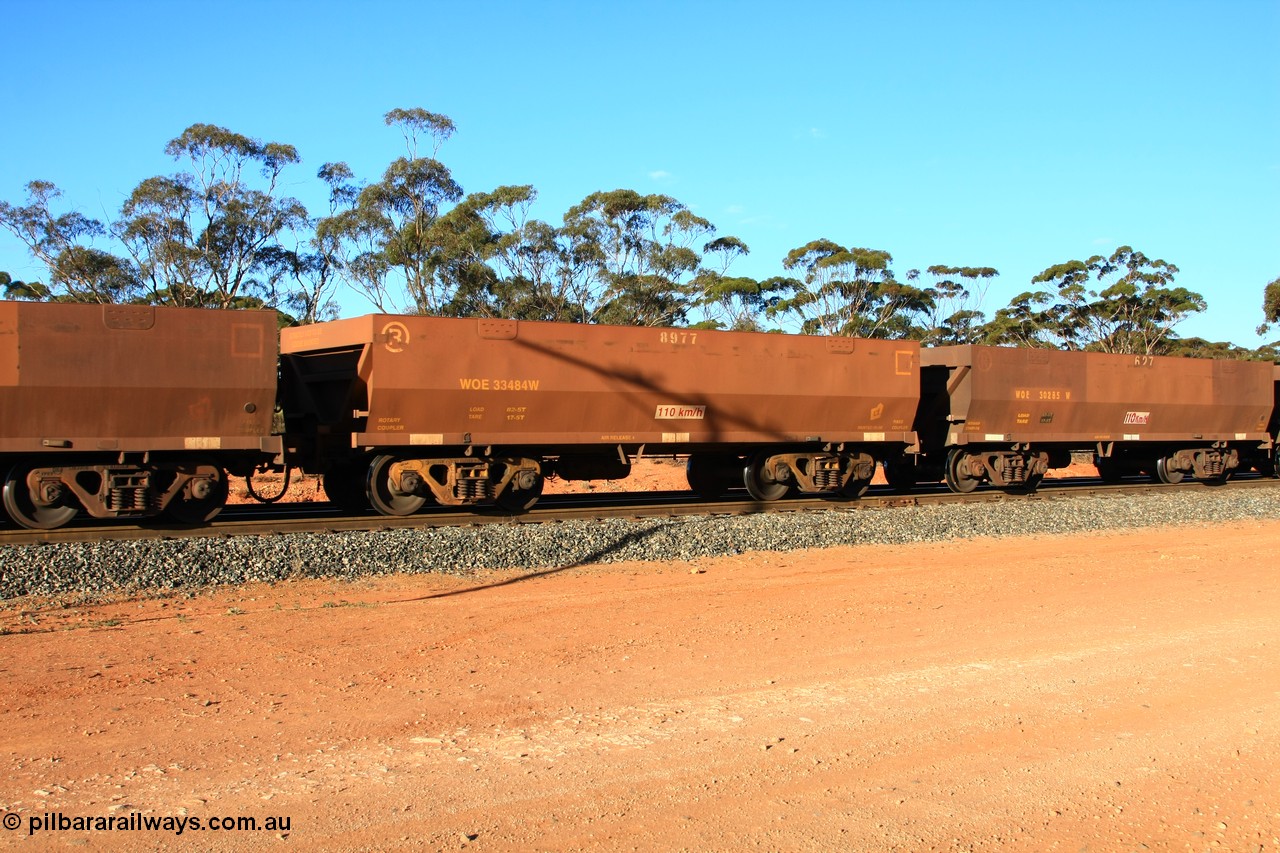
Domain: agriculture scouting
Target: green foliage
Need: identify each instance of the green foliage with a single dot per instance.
(219, 232)
(389, 242)
(207, 236)
(1023, 323)
(634, 254)
(200, 237)
(736, 303)
(1270, 305)
(32, 291)
(535, 276)
(1133, 311)
(78, 271)
(1201, 348)
(849, 292)
(951, 315)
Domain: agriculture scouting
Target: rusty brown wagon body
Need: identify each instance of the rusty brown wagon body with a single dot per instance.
(1006, 415)
(465, 411)
(130, 410)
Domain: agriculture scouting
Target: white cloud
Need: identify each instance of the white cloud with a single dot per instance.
(660, 175)
(810, 133)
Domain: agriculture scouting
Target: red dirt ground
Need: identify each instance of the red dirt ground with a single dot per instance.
(1116, 691)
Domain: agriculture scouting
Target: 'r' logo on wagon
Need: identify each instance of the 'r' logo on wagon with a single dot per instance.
(396, 335)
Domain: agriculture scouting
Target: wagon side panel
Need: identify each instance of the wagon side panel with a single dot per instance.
(448, 382)
(126, 377)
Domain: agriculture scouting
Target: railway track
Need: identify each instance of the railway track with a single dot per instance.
(278, 519)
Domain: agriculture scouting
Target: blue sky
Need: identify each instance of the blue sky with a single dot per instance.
(1014, 135)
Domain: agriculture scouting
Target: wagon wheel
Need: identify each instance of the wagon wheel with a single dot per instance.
(856, 488)
(520, 500)
(959, 478)
(706, 475)
(761, 483)
(20, 506)
(202, 497)
(1165, 474)
(383, 494)
(344, 487)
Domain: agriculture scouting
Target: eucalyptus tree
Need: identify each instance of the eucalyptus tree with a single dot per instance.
(536, 275)
(849, 291)
(31, 291)
(952, 315)
(1202, 348)
(1133, 310)
(388, 239)
(206, 236)
(1027, 321)
(1270, 305)
(636, 253)
(305, 279)
(732, 302)
(78, 270)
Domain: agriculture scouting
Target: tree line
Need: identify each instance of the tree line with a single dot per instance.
(221, 232)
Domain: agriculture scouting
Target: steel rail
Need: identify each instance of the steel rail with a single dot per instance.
(280, 519)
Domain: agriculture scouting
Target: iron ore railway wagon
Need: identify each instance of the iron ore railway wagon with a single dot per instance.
(1006, 416)
(135, 411)
(129, 411)
(402, 411)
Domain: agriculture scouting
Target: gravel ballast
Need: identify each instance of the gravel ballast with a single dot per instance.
(92, 570)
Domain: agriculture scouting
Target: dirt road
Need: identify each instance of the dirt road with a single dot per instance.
(1112, 692)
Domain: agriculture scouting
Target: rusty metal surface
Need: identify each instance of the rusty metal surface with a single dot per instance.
(438, 382)
(95, 378)
(1000, 394)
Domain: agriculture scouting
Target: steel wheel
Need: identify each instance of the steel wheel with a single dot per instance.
(1165, 474)
(520, 500)
(760, 483)
(20, 506)
(856, 488)
(383, 493)
(959, 478)
(201, 498)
